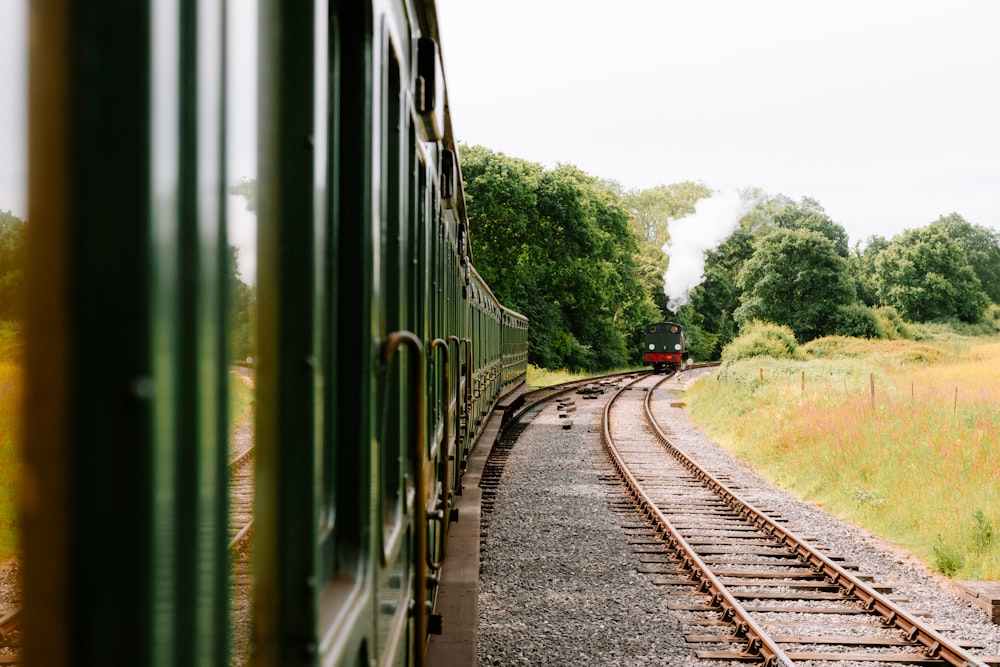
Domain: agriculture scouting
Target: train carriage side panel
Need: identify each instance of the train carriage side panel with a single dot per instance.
(381, 351)
(125, 341)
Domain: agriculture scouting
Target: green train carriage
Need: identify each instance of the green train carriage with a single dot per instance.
(381, 351)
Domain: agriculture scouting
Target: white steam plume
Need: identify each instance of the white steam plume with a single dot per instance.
(713, 220)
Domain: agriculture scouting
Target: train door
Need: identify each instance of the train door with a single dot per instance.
(395, 424)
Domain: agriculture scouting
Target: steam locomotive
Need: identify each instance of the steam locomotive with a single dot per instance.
(665, 346)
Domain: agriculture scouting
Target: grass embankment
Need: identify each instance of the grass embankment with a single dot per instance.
(241, 402)
(543, 377)
(10, 411)
(916, 461)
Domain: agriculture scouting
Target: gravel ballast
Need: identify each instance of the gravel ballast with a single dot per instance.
(559, 582)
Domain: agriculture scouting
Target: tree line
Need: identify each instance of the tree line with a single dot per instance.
(582, 258)
(12, 230)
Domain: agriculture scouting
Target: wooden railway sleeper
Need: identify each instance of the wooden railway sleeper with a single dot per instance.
(936, 647)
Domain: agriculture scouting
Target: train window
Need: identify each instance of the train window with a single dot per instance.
(394, 418)
(331, 531)
(13, 224)
(241, 211)
(415, 244)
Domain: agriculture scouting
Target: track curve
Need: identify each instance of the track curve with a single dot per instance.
(760, 578)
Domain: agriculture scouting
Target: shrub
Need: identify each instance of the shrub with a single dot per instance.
(951, 330)
(892, 323)
(992, 316)
(700, 343)
(763, 339)
(982, 532)
(947, 559)
(856, 320)
(831, 346)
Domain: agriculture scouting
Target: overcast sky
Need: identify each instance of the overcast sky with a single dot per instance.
(13, 83)
(886, 111)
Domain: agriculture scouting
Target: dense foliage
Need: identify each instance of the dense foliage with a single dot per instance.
(762, 339)
(926, 276)
(556, 245)
(584, 259)
(982, 250)
(12, 231)
(795, 277)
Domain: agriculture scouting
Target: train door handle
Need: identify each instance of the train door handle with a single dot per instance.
(416, 456)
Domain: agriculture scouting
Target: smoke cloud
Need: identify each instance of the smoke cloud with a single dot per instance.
(713, 220)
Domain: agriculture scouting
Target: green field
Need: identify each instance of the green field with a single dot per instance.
(897, 436)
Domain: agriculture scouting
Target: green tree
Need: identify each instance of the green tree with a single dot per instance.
(243, 297)
(652, 209)
(982, 250)
(243, 309)
(862, 264)
(796, 277)
(708, 318)
(718, 296)
(926, 276)
(858, 321)
(808, 214)
(557, 246)
(12, 231)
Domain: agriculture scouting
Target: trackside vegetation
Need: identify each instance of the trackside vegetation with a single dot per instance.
(897, 436)
(10, 410)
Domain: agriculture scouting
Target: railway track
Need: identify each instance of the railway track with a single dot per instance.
(758, 592)
(534, 401)
(9, 636)
(241, 511)
(240, 531)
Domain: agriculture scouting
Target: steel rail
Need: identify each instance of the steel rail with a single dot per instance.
(935, 645)
(758, 642)
(243, 457)
(242, 535)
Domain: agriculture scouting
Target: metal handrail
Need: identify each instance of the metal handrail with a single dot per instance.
(416, 463)
(439, 513)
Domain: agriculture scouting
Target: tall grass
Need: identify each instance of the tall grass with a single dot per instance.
(543, 377)
(917, 460)
(11, 381)
(241, 398)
